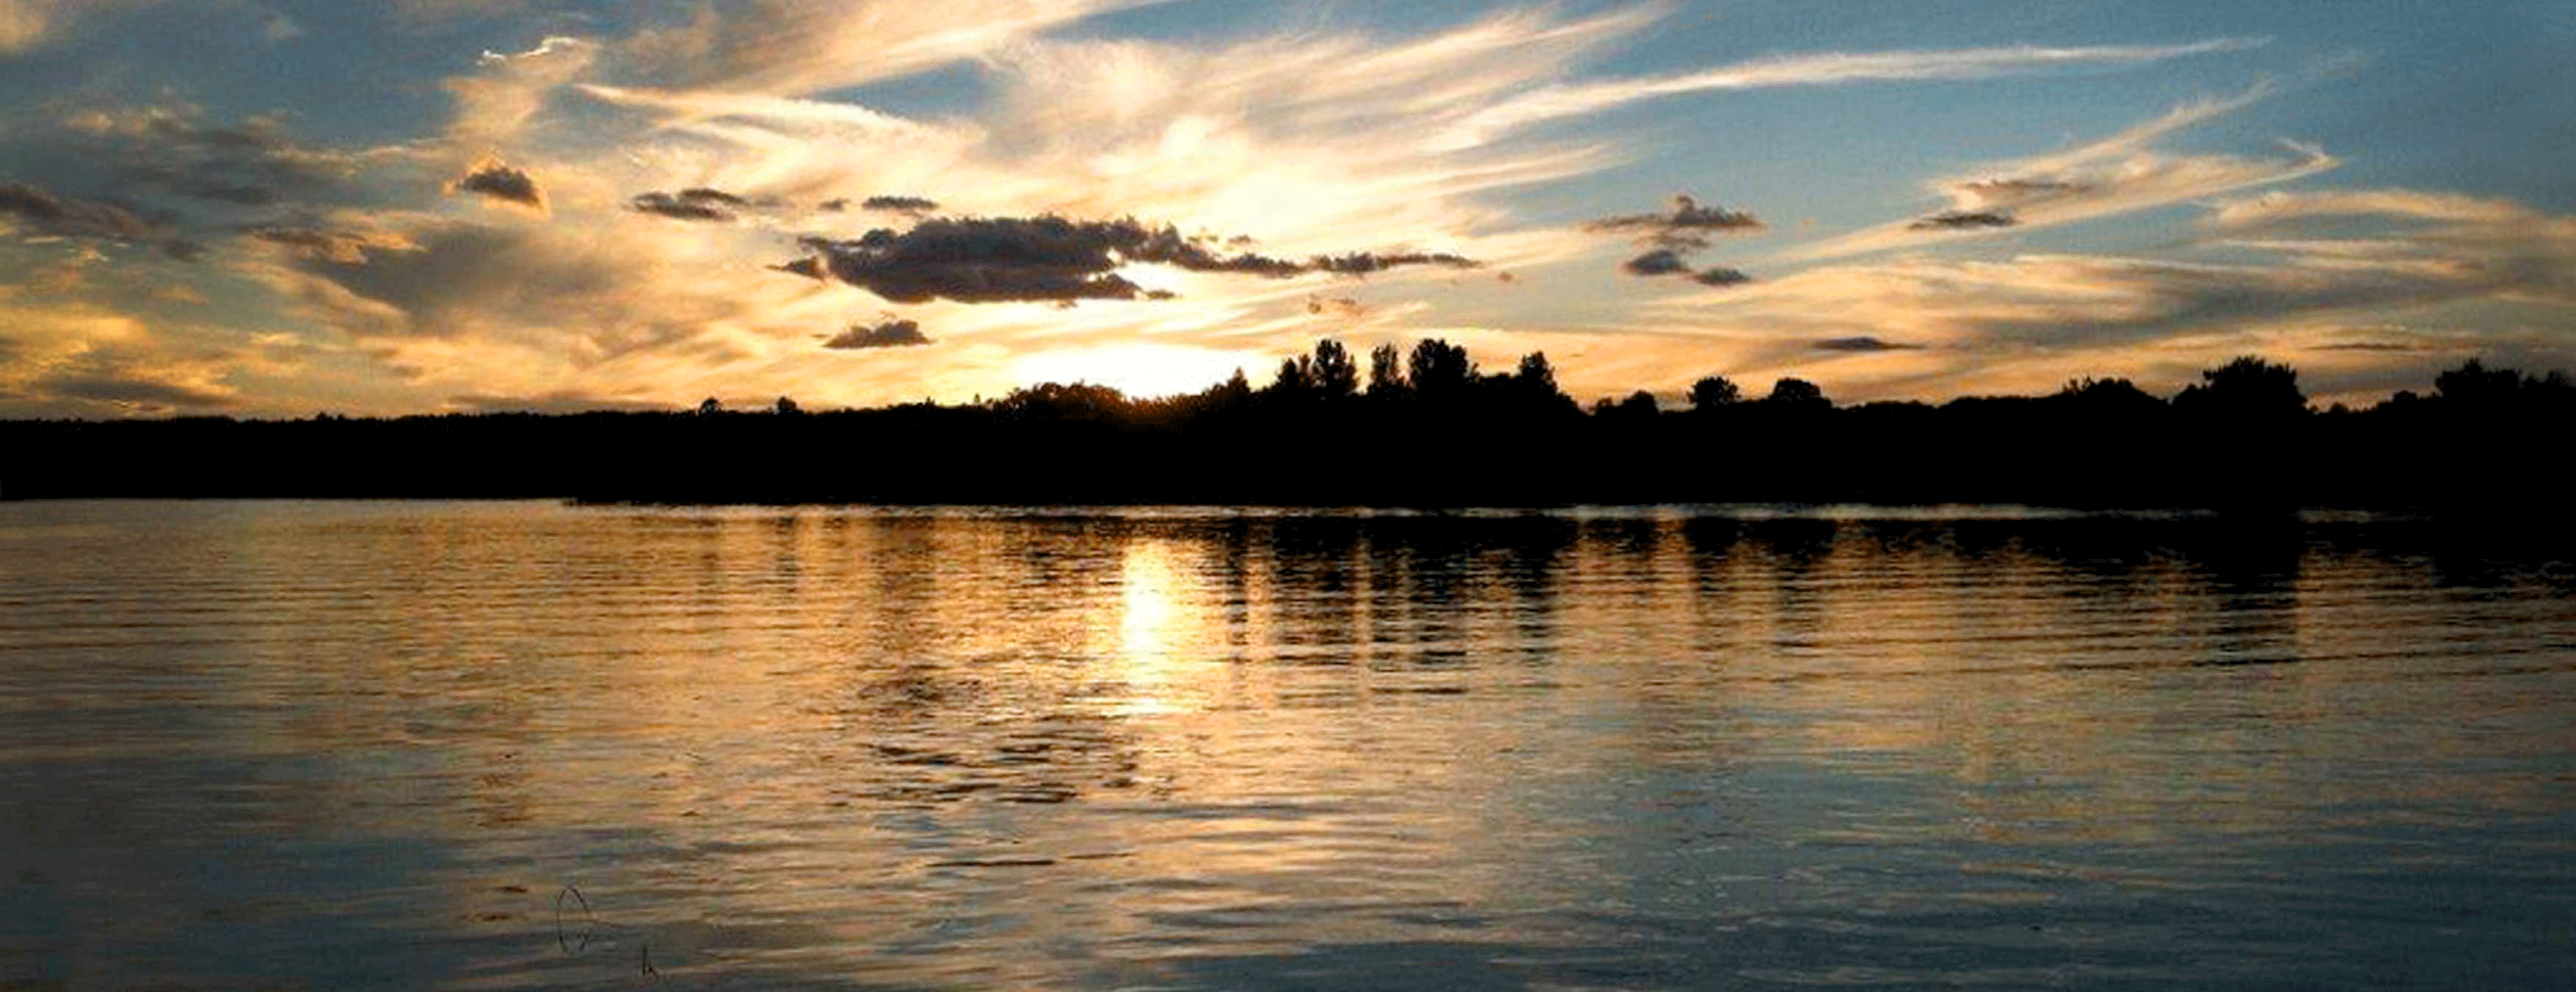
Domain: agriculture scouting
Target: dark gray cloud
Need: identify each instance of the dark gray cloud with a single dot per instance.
(1675, 236)
(317, 243)
(1965, 220)
(1050, 259)
(252, 164)
(1659, 262)
(898, 204)
(1863, 344)
(2368, 346)
(76, 218)
(1668, 262)
(694, 203)
(133, 391)
(70, 217)
(1364, 263)
(891, 333)
(1688, 214)
(502, 182)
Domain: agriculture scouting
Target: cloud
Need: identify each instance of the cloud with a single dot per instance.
(891, 333)
(1365, 263)
(2119, 174)
(122, 387)
(1863, 343)
(1660, 262)
(343, 247)
(1675, 236)
(1815, 69)
(799, 47)
(1050, 258)
(495, 104)
(899, 204)
(252, 164)
(76, 218)
(500, 182)
(69, 217)
(82, 360)
(1338, 306)
(1959, 220)
(694, 203)
(25, 24)
(1687, 215)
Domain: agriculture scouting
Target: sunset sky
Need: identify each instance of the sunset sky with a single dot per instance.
(277, 207)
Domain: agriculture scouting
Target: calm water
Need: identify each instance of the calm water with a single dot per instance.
(522, 745)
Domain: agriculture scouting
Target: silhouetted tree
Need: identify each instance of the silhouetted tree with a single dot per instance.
(2245, 388)
(1533, 387)
(1330, 372)
(1711, 392)
(1500, 439)
(1057, 401)
(2475, 385)
(1291, 382)
(1439, 369)
(1386, 372)
(1535, 374)
(786, 407)
(2108, 397)
(1232, 392)
(1794, 393)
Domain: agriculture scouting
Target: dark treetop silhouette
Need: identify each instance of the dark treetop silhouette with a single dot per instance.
(1419, 428)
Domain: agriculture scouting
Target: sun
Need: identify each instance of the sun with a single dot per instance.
(1138, 370)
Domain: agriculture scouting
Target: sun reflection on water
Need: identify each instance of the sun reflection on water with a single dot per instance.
(1153, 620)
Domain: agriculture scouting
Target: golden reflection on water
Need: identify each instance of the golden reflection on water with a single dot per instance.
(1057, 750)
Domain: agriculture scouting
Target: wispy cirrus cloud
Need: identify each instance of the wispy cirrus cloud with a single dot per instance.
(801, 47)
(1817, 69)
(2122, 173)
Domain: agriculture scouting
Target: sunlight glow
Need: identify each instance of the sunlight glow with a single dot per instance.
(1138, 370)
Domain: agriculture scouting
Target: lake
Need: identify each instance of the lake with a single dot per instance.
(533, 745)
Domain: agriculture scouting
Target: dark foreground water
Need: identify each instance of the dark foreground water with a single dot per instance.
(502, 746)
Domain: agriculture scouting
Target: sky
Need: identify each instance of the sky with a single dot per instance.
(269, 208)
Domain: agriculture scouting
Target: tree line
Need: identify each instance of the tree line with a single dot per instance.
(1418, 426)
